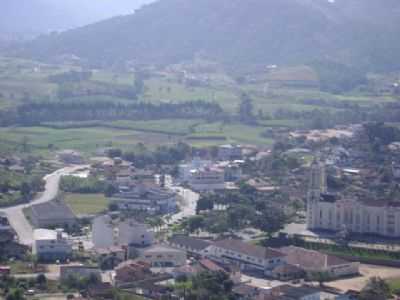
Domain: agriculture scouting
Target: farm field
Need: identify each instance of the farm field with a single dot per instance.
(92, 136)
(23, 81)
(86, 204)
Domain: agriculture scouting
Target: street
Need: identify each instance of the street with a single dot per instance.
(187, 205)
(15, 214)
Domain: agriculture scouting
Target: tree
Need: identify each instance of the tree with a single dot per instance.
(139, 83)
(110, 190)
(194, 223)
(25, 190)
(204, 203)
(270, 220)
(376, 289)
(320, 277)
(15, 294)
(41, 281)
(246, 108)
(114, 152)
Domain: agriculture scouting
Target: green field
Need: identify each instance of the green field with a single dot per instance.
(23, 81)
(88, 137)
(86, 204)
(394, 285)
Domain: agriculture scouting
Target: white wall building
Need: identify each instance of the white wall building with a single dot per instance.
(247, 256)
(196, 163)
(229, 152)
(50, 245)
(364, 217)
(207, 179)
(152, 199)
(163, 256)
(316, 262)
(108, 231)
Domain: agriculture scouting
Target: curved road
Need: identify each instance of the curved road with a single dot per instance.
(15, 214)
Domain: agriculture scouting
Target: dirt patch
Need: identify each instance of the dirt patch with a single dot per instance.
(367, 272)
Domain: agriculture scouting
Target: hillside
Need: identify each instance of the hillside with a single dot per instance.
(352, 32)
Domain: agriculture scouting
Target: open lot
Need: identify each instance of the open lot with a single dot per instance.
(367, 272)
(86, 204)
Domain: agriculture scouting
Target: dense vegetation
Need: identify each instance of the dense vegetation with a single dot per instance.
(36, 113)
(245, 208)
(206, 285)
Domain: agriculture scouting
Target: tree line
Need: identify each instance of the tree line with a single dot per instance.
(35, 113)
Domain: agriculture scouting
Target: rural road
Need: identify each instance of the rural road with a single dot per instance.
(15, 214)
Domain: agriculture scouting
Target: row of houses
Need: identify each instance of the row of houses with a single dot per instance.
(284, 263)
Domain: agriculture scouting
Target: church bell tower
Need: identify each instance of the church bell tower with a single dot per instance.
(317, 187)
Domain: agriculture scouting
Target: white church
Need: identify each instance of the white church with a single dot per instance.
(326, 212)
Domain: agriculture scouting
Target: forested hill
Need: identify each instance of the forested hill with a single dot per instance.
(352, 32)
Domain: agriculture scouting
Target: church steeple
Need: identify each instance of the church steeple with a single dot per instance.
(317, 187)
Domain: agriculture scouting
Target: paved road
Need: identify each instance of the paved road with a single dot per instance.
(15, 214)
(187, 205)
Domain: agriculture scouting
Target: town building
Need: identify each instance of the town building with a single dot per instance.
(51, 245)
(196, 163)
(192, 246)
(230, 152)
(51, 215)
(163, 256)
(288, 292)
(79, 271)
(232, 170)
(109, 230)
(130, 271)
(207, 179)
(246, 256)
(328, 212)
(150, 198)
(70, 157)
(312, 262)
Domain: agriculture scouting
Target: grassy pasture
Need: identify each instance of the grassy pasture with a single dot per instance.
(86, 204)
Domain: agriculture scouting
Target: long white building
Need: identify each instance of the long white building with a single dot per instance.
(109, 231)
(326, 212)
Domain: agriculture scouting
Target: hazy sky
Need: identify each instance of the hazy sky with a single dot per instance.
(48, 15)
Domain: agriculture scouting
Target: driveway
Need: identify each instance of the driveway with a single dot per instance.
(15, 214)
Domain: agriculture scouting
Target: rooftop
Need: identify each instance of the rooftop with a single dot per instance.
(161, 248)
(53, 210)
(189, 242)
(45, 234)
(248, 249)
(310, 259)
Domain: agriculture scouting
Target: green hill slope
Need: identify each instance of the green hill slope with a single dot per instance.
(352, 32)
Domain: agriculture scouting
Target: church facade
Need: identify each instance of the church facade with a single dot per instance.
(325, 212)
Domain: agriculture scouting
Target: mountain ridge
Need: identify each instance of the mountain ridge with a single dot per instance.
(351, 32)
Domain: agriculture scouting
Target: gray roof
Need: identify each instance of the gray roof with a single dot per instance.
(248, 249)
(189, 242)
(291, 292)
(52, 210)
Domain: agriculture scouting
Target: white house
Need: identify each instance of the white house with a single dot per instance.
(149, 198)
(207, 179)
(108, 231)
(50, 245)
(189, 244)
(315, 262)
(247, 256)
(196, 163)
(163, 256)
